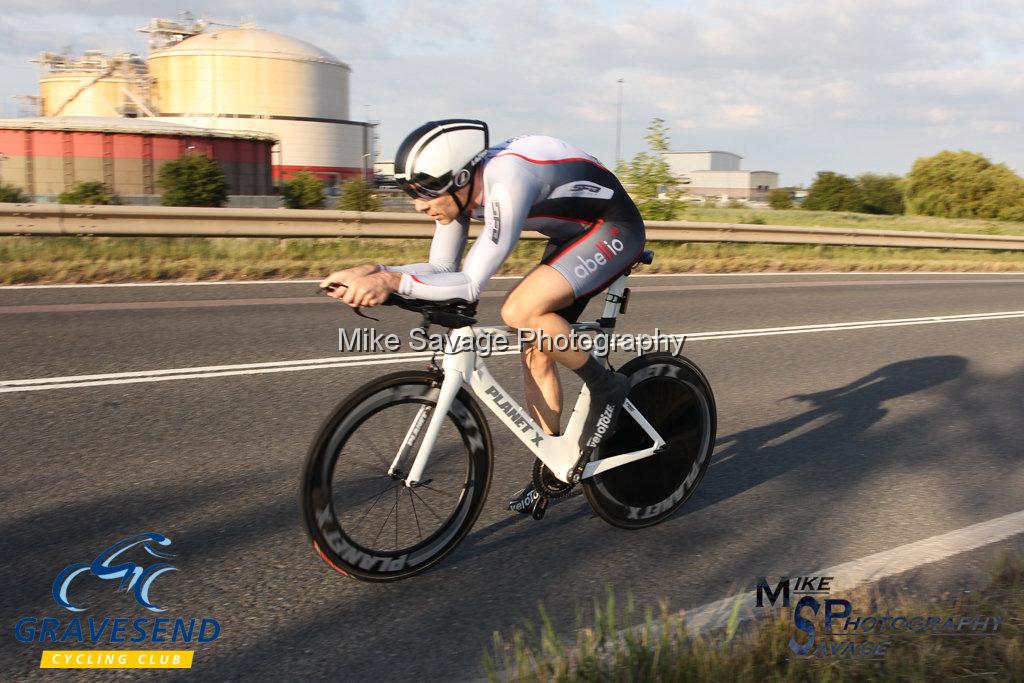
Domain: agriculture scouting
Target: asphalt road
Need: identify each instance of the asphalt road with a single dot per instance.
(832, 445)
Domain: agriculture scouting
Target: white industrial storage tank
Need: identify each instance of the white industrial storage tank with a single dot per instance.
(96, 84)
(249, 78)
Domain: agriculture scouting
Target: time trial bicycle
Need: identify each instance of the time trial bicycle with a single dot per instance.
(399, 472)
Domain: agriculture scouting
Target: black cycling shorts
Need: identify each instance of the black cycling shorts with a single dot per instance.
(592, 261)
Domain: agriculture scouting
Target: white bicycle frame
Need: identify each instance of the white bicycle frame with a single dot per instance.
(463, 366)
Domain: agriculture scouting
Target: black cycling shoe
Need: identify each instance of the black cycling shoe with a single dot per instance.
(606, 401)
(522, 500)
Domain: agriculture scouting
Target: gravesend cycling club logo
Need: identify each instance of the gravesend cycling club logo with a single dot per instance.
(131, 575)
(846, 635)
(132, 566)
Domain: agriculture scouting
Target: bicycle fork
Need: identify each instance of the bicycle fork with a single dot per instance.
(455, 376)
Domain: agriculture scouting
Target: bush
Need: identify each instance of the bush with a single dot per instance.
(649, 179)
(964, 185)
(780, 198)
(88, 192)
(833, 192)
(12, 194)
(303, 191)
(882, 194)
(357, 195)
(193, 180)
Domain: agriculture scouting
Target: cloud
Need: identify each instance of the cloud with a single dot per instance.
(852, 85)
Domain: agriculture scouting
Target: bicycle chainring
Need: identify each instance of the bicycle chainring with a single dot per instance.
(547, 484)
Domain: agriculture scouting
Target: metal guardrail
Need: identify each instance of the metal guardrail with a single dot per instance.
(156, 221)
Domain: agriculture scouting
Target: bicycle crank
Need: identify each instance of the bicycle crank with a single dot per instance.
(547, 484)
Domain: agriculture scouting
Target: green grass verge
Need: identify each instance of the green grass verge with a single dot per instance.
(760, 652)
(835, 219)
(26, 260)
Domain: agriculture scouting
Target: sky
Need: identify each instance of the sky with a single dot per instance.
(795, 87)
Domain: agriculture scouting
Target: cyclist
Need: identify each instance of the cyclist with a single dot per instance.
(532, 182)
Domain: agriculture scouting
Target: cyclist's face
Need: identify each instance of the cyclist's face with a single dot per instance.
(442, 209)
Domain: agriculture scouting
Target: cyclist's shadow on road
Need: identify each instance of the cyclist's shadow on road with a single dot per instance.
(837, 419)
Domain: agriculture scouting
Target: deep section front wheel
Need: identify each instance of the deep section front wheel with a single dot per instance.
(674, 396)
(368, 524)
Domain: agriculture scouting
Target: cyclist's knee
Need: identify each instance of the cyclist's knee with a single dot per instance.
(518, 313)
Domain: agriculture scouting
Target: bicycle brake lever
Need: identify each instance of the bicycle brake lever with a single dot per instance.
(355, 309)
(330, 288)
(358, 311)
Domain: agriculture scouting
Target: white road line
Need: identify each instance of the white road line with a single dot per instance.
(849, 575)
(872, 568)
(44, 383)
(516, 277)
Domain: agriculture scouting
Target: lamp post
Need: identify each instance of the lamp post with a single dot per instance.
(618, 129)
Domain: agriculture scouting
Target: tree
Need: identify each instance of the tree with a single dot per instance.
(833, 192)
(964, 185)
(649, 179)
(12, 194)
(357, 195)
(881, 194)
(303, 191)
(193, 180)
(780, 198)
(88, 192)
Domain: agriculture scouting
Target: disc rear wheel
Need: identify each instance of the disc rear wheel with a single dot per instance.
(675, 397)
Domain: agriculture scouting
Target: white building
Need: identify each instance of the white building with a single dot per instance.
(717, 174)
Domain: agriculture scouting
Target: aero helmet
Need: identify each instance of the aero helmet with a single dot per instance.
(439, 157)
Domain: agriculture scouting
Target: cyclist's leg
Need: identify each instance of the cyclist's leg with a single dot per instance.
(543, 389)
(572, 271)
(535, 304)
(540, 371)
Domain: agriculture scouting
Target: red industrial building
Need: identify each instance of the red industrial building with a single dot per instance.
(48, 155)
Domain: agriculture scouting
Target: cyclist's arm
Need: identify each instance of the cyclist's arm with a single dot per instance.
(445, 251)
(510, 191)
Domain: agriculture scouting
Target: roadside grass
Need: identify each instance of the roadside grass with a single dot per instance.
(29, 260)
(836, 219)
(665, 651)
(828, 219)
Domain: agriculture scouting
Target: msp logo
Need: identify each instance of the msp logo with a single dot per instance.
(841, 634)
(131, 575)
(125, 563)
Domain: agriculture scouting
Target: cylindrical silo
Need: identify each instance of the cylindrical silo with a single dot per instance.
(252, 79)
(95, 84)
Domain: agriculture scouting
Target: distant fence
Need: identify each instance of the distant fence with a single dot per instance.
(149, 221)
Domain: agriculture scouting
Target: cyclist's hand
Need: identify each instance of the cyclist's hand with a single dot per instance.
(343, 276)
(370, 290)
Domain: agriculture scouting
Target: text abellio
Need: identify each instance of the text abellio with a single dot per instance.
(606, 251)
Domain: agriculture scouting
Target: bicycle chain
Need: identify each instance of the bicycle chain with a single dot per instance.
(545, 483)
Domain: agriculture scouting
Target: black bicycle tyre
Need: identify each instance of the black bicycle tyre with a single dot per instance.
(329, 540)
(674, 395)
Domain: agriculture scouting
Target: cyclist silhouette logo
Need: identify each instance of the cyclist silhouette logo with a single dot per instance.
(132, 576)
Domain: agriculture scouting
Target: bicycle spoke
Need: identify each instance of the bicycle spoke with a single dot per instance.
(443, 493)
(383, 491)
(385, 522)
(427, 506)
(376, 452)
(396, 518)
(412, 500)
